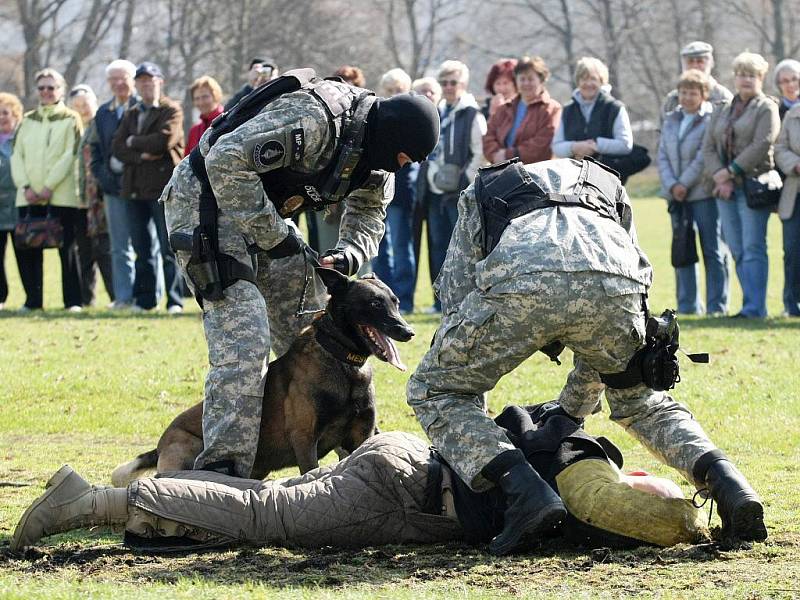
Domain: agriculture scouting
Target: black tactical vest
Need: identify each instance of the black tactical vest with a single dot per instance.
(294, 191)
(601, 121)
(346, 106)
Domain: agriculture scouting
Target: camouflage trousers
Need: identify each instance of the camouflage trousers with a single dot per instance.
(240, 331)
(492, 332)
(243, 327)
(374, 496)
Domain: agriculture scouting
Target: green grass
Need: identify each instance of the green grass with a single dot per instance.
(95, 388)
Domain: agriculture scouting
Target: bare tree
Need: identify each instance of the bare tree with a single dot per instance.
(34, 17)
(557, 16)
(774, 21)
(98, 22)
(414, 28)
(46, 35)
(127, 30)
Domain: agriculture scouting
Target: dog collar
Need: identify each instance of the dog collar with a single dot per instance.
(326, 336)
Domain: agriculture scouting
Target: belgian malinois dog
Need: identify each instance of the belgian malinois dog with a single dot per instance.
(318, 396)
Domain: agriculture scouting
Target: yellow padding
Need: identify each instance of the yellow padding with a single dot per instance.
(593, 493)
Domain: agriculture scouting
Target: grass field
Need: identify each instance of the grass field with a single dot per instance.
(93, 389)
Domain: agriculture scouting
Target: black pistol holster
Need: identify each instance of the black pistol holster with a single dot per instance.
(209, 270)
(656, 364)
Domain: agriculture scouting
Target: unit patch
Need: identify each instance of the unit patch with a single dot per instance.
(268, 153)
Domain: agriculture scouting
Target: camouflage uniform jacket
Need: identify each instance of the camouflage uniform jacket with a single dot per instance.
(292, 132)
(562, 239)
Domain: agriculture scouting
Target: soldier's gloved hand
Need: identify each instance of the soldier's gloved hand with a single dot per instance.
(341, 260)
(292, 244)
(553, 409)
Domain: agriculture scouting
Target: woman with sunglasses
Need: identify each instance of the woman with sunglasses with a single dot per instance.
(43, 168)
(455, 161)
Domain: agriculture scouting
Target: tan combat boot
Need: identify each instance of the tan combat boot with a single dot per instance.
(69, 502)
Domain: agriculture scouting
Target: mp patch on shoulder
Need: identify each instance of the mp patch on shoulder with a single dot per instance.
(298, 145)
(268, 153)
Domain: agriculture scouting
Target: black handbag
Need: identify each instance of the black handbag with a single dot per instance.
(629, 164)
(764, 191)
(684, 239)
(39, 232)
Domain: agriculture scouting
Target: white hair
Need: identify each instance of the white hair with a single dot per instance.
(397, 77)
(83, 90)
(122, 65)
(455, 66)
(787, 64)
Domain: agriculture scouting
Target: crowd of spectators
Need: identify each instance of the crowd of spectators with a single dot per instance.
(99, 171)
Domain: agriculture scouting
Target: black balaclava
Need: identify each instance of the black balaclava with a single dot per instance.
(404, 123)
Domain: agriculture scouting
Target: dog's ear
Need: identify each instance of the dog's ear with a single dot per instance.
(332, 279)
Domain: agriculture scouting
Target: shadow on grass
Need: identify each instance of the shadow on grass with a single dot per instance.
(334, 567)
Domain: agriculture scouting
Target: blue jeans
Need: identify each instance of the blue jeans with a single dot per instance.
(791, 262)
(745, 232)
(383, 263)
(399, 222)
(442, 217)
(707, 222)
(122, 267)
(149, 237)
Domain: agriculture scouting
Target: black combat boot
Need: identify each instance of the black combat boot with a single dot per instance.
(738, 505)
(532, 507)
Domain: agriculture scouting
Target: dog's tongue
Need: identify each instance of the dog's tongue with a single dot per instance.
(393, 356)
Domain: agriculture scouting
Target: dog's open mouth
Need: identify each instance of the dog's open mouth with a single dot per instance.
(382, 346)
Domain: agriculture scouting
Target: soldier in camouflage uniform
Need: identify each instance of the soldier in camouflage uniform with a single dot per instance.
(293, 138)
(557, 273)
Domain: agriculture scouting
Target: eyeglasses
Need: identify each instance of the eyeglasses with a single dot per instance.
(785, 81)
(49, 88)
(446, 82)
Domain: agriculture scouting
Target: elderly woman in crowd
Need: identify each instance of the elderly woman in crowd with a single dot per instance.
(207, 99)
(594, 123)
(10, 116)
(524, 126)
(737, 145)
(43, 167)
(454, 163)
(500, 86)
(91, 229)
(680, 166)
(428, 87)
(787, 81)
(787, 156)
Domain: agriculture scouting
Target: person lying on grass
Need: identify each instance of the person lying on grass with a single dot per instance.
(392, 489)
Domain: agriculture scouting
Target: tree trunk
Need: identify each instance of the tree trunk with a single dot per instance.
(127, 30)
(779, 41)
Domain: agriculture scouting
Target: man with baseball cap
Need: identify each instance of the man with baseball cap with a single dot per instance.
(698, 55)
(149, 143)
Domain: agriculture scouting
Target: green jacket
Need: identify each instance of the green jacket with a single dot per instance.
(45, 147)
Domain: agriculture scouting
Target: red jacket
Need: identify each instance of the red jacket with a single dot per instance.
(535, 133)
(198, 129)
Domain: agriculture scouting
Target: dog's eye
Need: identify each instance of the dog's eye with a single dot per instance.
(376, 304)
